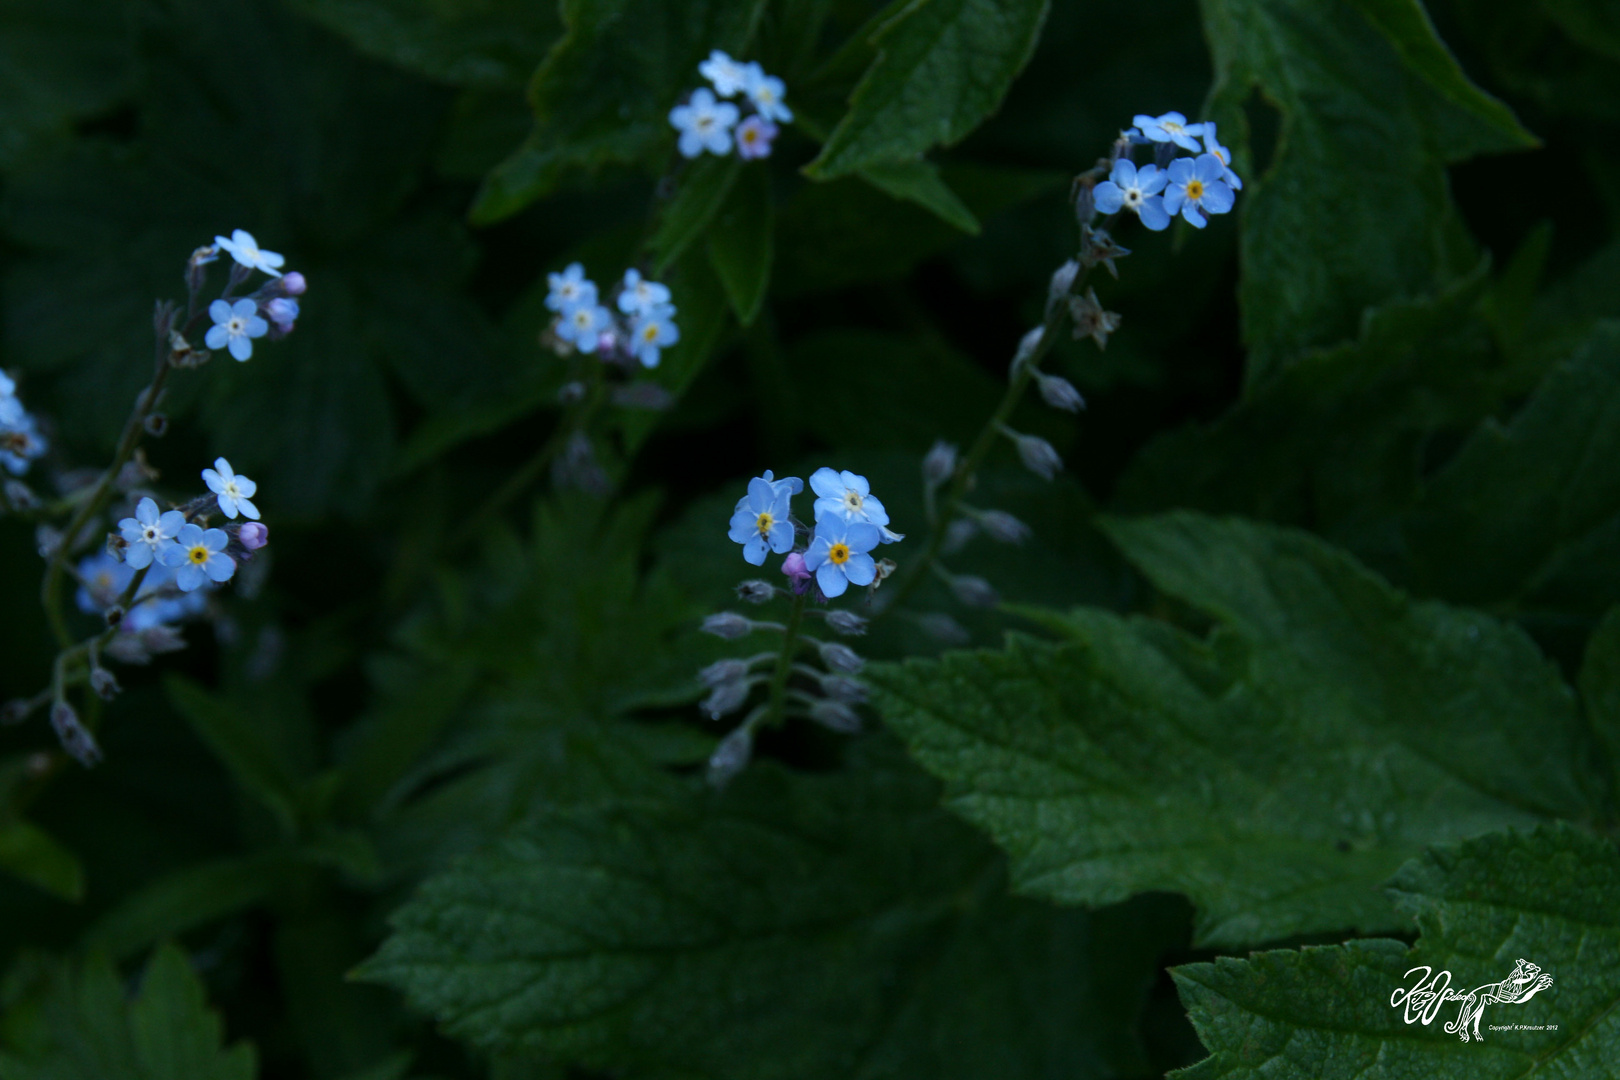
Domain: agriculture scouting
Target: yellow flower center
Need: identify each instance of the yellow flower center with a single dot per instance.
(750, 135)
(1172, 127)
(766, 520)
(198, 555)
(838, 554)
(1195, 190)
(650, 333)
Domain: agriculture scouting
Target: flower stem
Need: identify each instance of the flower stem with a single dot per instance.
(784, 661)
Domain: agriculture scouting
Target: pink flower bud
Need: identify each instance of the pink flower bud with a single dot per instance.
(254, 535)
(793, 566)
(294, 284)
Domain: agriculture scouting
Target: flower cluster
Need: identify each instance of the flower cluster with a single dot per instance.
(1192, 187)
(850, 523)
(708, 121)
(638, 327)
(271, 310)
(20, 440)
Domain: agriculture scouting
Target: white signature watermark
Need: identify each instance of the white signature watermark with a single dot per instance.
(1424, 1000)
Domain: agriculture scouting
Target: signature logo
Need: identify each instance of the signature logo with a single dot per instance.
(1424, 1000)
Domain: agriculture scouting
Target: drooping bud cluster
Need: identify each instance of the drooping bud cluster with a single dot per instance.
(709, 122)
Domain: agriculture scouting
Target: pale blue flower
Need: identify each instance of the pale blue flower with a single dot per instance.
(838, 554)
(199, 556)
(570, 288)
(149, 533)
(846, 495)
(233, 491)
(726, 74)
(638, 295)
(766, 92)
(1196, 185)
(235, 327)
(651, 331)
(1136, 190)
(584, 324)
(704, 124)
(102, 580)
(1211, 146)
(1171, 127)
(754, 138)
(20, 443)
(11, 407)
(245, 250)
(763, 519)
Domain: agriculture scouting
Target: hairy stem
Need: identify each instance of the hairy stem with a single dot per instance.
(784, 661)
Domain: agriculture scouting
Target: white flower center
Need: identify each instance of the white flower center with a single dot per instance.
(583, 319)
(236, 326)
(703, 123)
(150, 534)
(1172, 127)
(231, 490)
(1133, 195)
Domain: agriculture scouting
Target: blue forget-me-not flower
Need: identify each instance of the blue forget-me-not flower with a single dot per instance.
(1211, 146)
(638, 295)
(726, 74)
(651, 331)
(1171, 127)
(1134, 189)
(838, 553)
(704, 124)
(762, 520)
(766, 91)
(149, 533)
(583, 325)
(245, 250)
(1196, 185)
(570, 288)
(846, 495)
(197, 556)
(235, 326)
(233, 492)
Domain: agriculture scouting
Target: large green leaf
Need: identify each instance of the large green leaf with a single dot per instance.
(942, 66)
(1600, 691)
(60, 63)
(603, 94)
(792, 926)
(481, 43)
(1528, 512)
(74, 1021)
(1550, 898)
(1353, 209)
(1276, 771)
(37, 857)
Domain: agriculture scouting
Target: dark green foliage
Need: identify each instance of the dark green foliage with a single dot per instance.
(1551, 897)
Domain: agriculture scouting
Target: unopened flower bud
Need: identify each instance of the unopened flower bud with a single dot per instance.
(846, 622)
(727, 624)
(755, 591)
(939, 463)
(196, 276)
(47, 540)
(723, 671)
(283, 315)
(1027, 346)
(253, 535)
(1038, 455)
(127, 649)
(571, 393)
(797, 572)
(731, 756)
(1085, 199)
(14, 711)
(836, 716)
(20, 495)
(727, 698)
(1059, 392)
(117, 546)
(843, 688)
(293, 283)
(643, 395)
(1062, 282)
(841, 658)
(157, 425)
(104, 683)
(943, 629)
(75, 737)
(1003, 527)
(974, 591)
(957, 535)
(114, 615)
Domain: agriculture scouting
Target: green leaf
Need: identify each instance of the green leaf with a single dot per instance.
(254, 762)
(1600, 691)
(1276, 771)
(741, 244)
(479, 43)
(30, 853)
(1527, 512)
(603, 94)
(793, 926)
(942, 67)
(702, 191)
(1354, 208)
(1485, 907)
(919, 182)
(184, 900)
(79, 1025)
(60, 63)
